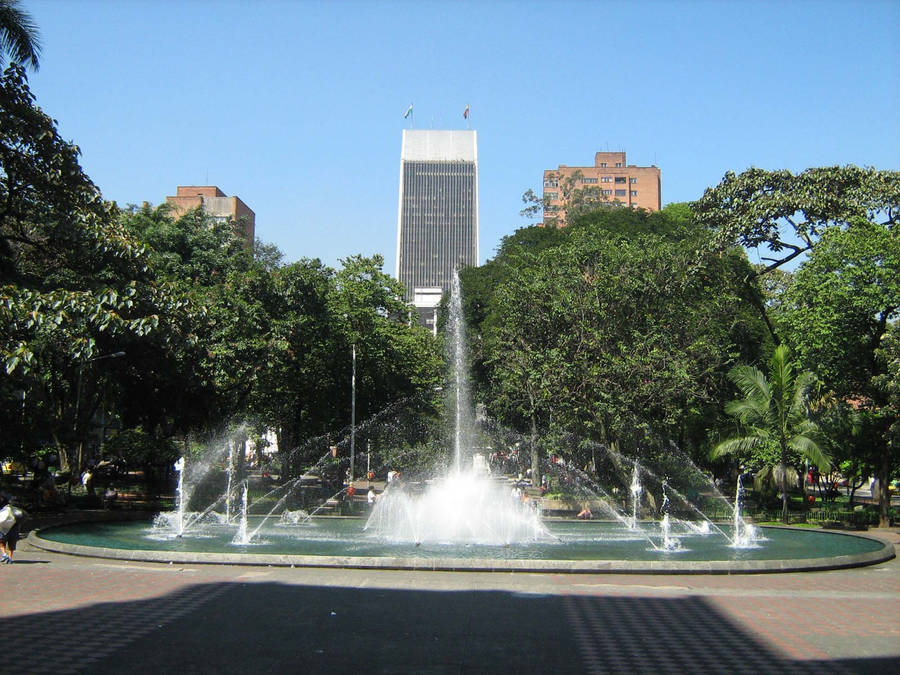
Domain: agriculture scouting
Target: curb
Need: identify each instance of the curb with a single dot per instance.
(480, 564)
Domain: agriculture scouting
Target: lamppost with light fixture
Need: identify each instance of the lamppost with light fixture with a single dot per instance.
(114, 355)
(353, 416)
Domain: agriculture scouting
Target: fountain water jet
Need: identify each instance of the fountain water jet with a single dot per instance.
(635, 496)
(229, 472)
(241, 537)
(179, 497)
(465, 506)
(669, 543)
(745, 535)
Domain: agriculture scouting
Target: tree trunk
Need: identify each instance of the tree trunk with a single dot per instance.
(784, 503)
(535, 456)
(884, 489)
(757, 302)
(784, 494)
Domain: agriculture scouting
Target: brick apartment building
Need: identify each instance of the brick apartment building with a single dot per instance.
(216, 203)
(611, 178)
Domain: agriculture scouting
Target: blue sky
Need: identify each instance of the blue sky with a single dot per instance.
(297, 107)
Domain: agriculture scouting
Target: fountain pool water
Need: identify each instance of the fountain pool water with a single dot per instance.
(574, 546)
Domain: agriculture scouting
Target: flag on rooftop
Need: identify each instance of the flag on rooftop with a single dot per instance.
(408, 111)
(466, 113)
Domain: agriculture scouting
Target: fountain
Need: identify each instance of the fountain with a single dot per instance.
(466, 517)
(464, 506)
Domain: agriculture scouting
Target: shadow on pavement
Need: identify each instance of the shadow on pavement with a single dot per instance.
(282, 628)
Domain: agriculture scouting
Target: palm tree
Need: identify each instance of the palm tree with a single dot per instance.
(773, 415)
(19, 42)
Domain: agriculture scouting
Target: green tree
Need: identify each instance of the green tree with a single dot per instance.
(888, 384)
(838, 312)
(615, 331)
(317, 316)
(784, 215)
(19, 40)
(73, 282)
(773, 419)
(524, 367)
(197, 371)
(577, 200)
(296, 392)
(395, 357)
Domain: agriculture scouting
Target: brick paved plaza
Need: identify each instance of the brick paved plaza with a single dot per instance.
(64, 614)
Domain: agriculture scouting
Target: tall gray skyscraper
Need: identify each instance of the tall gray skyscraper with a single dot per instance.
(437, 225)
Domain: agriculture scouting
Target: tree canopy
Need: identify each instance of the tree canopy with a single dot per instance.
(611, 328)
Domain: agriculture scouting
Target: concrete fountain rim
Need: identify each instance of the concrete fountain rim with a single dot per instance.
(885, 553)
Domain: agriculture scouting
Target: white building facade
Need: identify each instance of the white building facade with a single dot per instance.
(437, 223)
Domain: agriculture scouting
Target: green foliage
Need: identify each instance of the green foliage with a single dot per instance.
(74, 284)
(67, 270)
(888, 380)
(840, 313)
(577, 200)
(840, 303)
(139, 448)
(609, 328)
(787, 213)
(784, 216)
(773, 420)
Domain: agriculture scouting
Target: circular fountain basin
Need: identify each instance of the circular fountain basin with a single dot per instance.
(576, 547)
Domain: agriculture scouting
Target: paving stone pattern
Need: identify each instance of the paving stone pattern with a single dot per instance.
(67, 615)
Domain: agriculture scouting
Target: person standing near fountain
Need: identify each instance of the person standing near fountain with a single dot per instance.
(10, 519)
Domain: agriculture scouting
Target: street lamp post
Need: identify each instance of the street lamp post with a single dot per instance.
(353, 416)
(114, 355)
(20, 393)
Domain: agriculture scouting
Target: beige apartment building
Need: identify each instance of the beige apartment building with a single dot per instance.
(214, 202)
(611, 179)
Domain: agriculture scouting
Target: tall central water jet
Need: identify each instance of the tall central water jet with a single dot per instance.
(465, 506)
(456, 332)
(180, 501)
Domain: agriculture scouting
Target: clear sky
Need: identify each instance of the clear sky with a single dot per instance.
(297, 107)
